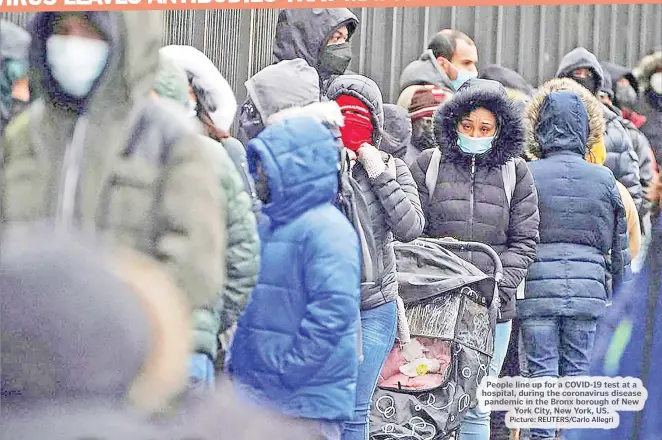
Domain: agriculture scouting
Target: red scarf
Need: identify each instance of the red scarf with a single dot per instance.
(358, 126)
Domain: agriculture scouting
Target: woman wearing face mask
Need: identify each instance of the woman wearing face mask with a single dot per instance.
(393, 206)
(320, 37)
(479, 131)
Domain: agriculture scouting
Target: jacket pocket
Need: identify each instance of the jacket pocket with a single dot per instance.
(129, 200)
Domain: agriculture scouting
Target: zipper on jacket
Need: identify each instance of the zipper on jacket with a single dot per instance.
(70, 175)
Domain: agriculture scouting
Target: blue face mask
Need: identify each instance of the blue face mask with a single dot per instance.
(474, 146)
(462, 77)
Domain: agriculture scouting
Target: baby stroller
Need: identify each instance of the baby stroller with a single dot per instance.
(427, 385)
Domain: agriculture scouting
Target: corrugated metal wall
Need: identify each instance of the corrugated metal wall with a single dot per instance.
(529, 39)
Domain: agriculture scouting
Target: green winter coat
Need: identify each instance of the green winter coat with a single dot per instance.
(75, 170)
(243, 252)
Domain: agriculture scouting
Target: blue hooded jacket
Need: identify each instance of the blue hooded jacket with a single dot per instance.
(296, 344)
(582, 218)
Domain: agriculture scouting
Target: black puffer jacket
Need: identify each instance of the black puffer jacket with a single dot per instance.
(622, 160)
(472, 206)
(392, 198)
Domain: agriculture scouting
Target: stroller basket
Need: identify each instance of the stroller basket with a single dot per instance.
(426, 386)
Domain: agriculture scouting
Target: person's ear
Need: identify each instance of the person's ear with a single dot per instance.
(448, 67)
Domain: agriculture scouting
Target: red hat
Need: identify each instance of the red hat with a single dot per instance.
(425, 102)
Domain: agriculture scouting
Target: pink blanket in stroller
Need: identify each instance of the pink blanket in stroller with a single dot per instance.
(391, 377)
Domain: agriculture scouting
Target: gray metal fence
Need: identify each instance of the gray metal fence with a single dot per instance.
(529, 39)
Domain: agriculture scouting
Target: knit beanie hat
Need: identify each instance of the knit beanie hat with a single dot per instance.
(425, 102)
(172, 82)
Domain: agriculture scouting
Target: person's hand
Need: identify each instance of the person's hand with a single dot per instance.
(352, 155)
(372, 161)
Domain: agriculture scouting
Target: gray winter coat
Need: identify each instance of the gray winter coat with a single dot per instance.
(472, 206)
(622, 159)
(392, 197)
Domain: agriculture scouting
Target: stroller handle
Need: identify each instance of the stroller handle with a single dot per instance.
(473, 246)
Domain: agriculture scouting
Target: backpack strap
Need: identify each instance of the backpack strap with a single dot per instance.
(432, 173)
(509, 173)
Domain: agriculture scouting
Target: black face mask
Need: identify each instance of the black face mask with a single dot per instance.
(625, 95)
(335, 59)
(588, 83)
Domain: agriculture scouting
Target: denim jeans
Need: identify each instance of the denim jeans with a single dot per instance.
(557, 347)
(476, 423)
(378, 327)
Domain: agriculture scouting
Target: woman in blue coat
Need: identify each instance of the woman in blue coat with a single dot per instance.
(583, 240)
(296, 344)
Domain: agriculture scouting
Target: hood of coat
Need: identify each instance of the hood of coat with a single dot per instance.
(303, 33)
(83, 324)
(581, 58)
(593, 109)
(134, 38)
(492, 96)
(301, 159)
(424, 70)
(211, 88)
(563, 124)
(646, 68)
(615, 72)
(366, 90)
(265, 88)
(508, 78)
(397, 123)
(172, 82)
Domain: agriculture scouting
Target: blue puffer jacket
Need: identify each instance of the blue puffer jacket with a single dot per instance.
(582, 217)
(296, 344)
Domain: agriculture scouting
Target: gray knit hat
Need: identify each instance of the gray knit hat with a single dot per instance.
(171, 81)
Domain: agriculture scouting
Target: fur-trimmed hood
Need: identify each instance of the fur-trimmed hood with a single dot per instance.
(646, 68)
(366, 90)
(213, 91)
(595, 112)
(492, 96)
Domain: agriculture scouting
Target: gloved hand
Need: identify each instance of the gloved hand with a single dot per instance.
(201, 372)
(372, 161)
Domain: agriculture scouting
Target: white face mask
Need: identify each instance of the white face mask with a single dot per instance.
(76, 62)
(656, 82)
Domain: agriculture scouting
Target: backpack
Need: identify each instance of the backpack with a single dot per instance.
(508, 173)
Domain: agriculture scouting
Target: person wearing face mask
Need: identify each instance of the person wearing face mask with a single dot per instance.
(295, 349)
(423, 105)
(448, 62)
(96, 152)
(14, 91)
(582, 225)
(320, 36)
(243, 247)
(397, 125)
(616, 82)
(583, 67)
(395, 213)
(480, 133)
(649, 76)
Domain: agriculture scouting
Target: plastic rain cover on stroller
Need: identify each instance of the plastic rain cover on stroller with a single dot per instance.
(426, 387)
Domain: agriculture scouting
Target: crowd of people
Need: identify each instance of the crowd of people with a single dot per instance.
(160, 277)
